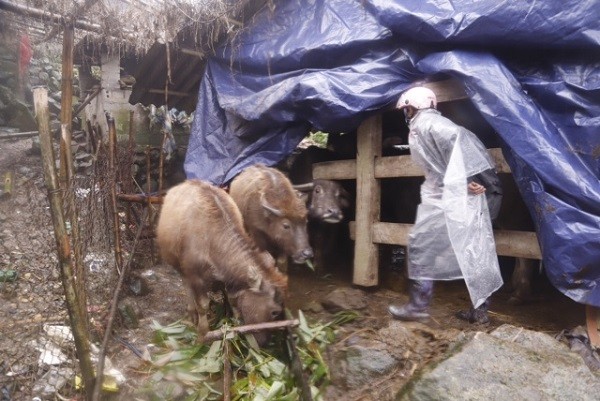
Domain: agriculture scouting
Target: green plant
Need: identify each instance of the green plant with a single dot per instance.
(186, 370)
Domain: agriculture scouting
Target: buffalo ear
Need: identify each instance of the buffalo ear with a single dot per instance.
(303, 196)
(344, 198)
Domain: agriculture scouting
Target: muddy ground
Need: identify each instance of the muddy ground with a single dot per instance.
(36, 298)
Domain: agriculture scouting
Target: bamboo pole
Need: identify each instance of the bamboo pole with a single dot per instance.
(78, 323)
(111, 319)
(66, 102)
(66, 159)
(140, 198)
(250, 328)
(73, 217)
(87, 100)
(128, 180)
(52, 17)
(161, 163)
(227, 373)
(92, 136)
(78, 9)
(19, 135)
(112, 155)
(149, 205)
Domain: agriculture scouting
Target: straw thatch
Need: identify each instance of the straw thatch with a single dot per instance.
(136, 24)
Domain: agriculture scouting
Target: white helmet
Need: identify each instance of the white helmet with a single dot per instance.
(418, 97)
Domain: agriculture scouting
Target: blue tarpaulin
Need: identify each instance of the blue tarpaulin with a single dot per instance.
(531, 68)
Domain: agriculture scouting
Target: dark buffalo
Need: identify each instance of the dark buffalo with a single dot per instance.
(326, 199)
(200, 233)
(329, 206)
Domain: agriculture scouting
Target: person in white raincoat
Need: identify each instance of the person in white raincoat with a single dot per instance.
(452, 237)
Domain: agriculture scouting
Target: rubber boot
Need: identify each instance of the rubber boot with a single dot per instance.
(420, 293)
(476, 315)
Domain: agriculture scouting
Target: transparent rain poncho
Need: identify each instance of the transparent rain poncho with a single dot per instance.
(452, 237)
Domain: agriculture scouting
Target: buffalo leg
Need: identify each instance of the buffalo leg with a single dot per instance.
(521, 280)
(198, 306)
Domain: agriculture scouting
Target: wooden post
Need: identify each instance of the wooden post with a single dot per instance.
(112, 162)
(128, 180)
(368, 193)
(227, 373)
(149, 190)
(591, 319)
(161, 163)
(78, 323)
(73, 216)
(66, 103)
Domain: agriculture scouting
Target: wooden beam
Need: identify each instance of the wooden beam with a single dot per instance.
(447, 90)
(46, 15)
(87, 100)
(171, 93)
(388, 167)
(192, 52)
(13, 135)
(520, 244)
(368, 191)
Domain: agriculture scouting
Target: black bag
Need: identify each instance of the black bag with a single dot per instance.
(493, 190)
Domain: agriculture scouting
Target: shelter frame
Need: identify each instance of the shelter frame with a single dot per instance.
(368, 231)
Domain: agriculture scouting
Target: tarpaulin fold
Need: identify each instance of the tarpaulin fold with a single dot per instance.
(532, 69)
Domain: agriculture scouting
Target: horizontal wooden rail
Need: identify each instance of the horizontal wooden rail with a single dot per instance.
(520, 244)
(447, 90)
(388, 167)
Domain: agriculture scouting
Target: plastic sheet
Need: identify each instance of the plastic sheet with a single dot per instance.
(530, 68)
(452, 236)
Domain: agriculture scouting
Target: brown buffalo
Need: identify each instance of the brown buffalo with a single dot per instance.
(274, 214)
(200, 233)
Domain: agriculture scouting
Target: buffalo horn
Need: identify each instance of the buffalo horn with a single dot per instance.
(304, 187)
(269, 207)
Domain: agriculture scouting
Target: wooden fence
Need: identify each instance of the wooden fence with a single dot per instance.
(370, 166)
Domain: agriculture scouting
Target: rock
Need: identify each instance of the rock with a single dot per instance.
(314, 307)
(43, 77)
(36, 148)
(129, 313)
(18, 115)
(510, 364)
(5, 75)
(56, 96)
(138, 286)
(7, 95)
(24, 170)
(342, 299)
(53, 106)
(362, 363)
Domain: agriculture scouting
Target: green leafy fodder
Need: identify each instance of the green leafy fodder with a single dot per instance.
(182, 369)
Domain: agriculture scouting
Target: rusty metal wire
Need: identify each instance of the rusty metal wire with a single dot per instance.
(37, 352)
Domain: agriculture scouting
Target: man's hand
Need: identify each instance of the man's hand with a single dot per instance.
(475, 188)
